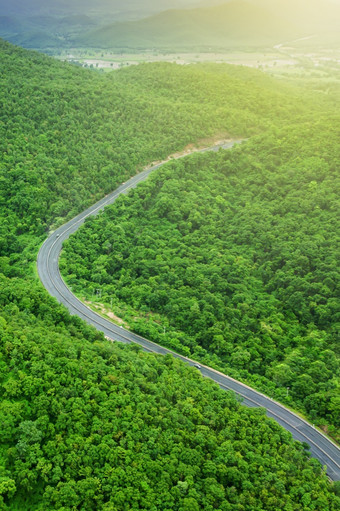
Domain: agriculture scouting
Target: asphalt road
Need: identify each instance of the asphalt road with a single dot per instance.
(320, 446)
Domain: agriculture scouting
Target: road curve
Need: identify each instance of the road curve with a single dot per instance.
(48, 268)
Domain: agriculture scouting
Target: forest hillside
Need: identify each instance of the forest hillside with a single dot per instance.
(235, 256)
(90, 424)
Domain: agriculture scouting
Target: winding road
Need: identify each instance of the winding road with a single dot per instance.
(48, 268)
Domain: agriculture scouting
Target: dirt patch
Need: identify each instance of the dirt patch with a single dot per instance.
(107, 312)
(113, 316)
(216, 141)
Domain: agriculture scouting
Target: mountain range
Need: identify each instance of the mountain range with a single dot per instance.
(235, 23)
(189, 24)
(43, 24)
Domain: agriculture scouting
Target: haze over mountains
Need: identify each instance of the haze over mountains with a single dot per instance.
(46, 23)
(185, 24)
(235, 23)
(89, 7)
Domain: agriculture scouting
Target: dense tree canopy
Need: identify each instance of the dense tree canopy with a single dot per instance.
(86, 424)
(238, 253)
(68, 136)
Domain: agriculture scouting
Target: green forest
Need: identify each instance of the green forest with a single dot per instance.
(237, 254)
(89, 424)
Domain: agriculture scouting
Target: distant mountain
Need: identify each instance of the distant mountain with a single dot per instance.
(36, 39)
(89, 7)
(188, 25)
(43, 24)
(10, 25)
(237, 22)
(43, 32)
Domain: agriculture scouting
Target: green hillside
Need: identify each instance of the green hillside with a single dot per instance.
(87, 424)
(92, 425)
(236, 256)
(69, 136)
